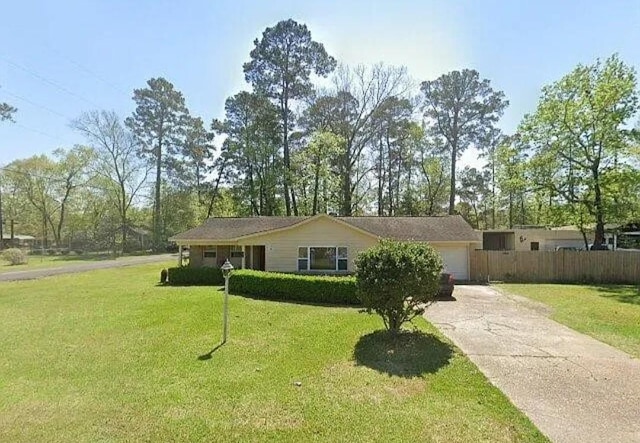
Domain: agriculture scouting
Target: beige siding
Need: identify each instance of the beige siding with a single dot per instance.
(548, 239)
(281, 248)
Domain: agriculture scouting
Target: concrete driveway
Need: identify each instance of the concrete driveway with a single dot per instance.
(572, 387)
(86, 266)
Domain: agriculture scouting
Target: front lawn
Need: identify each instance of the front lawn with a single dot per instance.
(110, 356)
(52, 261)
(608, 313)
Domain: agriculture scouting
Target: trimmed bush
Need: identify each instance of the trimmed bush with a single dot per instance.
(396, 279)
(294, 287)
(15, 256)
(186, 275)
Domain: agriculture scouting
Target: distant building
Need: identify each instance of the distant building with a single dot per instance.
(536, 239)
(18, 241)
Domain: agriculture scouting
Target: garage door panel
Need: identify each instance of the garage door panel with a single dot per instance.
(455, 260)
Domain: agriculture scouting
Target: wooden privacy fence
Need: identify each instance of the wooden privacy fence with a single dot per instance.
(556, 266)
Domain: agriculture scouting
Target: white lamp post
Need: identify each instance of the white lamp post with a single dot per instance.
(226, 268)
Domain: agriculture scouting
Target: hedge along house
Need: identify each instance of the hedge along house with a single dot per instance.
(321, 243)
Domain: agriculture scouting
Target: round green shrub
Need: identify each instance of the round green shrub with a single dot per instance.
(15, 256)
(397, 279)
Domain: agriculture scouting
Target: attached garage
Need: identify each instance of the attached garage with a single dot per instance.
(456, 260)
(322, 243)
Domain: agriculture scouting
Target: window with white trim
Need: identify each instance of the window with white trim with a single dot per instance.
(237, 251)
(209, 252)
(323, 258)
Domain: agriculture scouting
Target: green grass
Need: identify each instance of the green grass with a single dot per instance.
(110, 356)
(608, 313)
(54, 261)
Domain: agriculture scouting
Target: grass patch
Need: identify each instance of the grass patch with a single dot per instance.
(58, 261)
(55, 261)
(608, 313)
(109, 356)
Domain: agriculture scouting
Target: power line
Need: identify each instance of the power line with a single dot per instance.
(87, 70)
(26, 100)
(49, 82)
(37, 131)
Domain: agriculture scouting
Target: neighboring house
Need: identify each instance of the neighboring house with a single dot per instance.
(138, 238)
(18, 241)
(321, 243)
(534, 239)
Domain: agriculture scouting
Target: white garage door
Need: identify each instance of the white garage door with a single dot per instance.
(456, 260)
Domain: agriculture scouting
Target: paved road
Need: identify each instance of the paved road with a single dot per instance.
(573, 387)
(86, 266)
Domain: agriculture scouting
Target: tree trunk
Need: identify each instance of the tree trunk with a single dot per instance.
(287, 157)
(123, 215)
(156, 203)
(598, 240)
(294, 204)
(380, 180)
(452, 188)
(493, 190)
(316, 189)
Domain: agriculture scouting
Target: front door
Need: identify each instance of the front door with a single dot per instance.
(258, 258)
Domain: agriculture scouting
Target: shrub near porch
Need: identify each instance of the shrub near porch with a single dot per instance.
(339, 290)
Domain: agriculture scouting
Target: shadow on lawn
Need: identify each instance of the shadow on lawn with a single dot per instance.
(294, 301)
(407, 354)
(622, 293)
(209, 354)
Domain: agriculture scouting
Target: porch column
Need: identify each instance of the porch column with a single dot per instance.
(179, 255)
(243, 257)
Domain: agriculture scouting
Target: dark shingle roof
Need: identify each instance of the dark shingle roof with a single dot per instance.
(433, 229)
(229, 228)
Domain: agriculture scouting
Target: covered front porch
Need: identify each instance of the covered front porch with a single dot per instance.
(240, 256)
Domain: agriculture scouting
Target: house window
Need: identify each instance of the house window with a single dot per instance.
(320, 258)
(236, 251)
(209, 253)
(342, 259)
(303, 259)
(535, 246)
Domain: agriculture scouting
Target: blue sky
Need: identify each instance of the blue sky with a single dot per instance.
(58, 59)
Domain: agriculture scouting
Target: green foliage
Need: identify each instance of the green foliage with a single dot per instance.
(120, 173)
(201, 276)
(15, 256)
(581, 145)
(395, 278)
(313, 171)
(461, 109)
(252, 129)
(45, 189)
(280, 68)
(157, 125)
(6, 112)
(302, 288)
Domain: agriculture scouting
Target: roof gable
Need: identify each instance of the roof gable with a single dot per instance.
(433, 229)
(231, 228)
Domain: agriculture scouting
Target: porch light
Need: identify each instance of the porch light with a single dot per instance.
(226, 269)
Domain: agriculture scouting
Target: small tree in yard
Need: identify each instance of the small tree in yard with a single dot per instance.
(15, 256)
(396, 279)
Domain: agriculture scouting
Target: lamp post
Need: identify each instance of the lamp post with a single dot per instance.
(226, 268)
